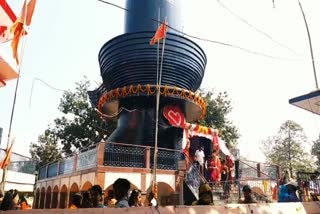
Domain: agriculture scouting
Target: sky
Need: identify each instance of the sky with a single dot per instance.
(65, 37)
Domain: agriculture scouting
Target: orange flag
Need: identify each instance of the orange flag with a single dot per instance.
(160, 33)
(6, 159)
(18, 27)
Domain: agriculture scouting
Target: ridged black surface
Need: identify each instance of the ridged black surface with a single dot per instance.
(138, 126)
(129, 59)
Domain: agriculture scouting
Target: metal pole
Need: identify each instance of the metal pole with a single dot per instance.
(155, 157)
(290, 166)
(310, 45)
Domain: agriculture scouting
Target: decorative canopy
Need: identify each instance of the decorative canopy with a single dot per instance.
(309, 102)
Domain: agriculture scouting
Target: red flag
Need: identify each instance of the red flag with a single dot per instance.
(7, 18)
(160, 33)
(6, 159)
(18, 27)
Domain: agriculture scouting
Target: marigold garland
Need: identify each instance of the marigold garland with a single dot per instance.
(151, 90)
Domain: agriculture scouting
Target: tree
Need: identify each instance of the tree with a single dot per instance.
(217, 110)
(46, 149)
(80, 126)
(316, 151)
(285, 148)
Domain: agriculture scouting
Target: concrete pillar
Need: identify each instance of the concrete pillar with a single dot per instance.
(258, 170)
(100, 155)
(147, 152)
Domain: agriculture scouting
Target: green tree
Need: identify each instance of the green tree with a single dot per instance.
(217, 110)
(285, 148)
(46, 149)
(81, 125)
(316, 151)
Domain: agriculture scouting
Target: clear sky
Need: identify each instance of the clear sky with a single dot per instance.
(66, 36)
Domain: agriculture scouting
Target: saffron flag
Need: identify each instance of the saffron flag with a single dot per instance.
(7, 157)
(7, 18)
(18, 27)
(160, 33)
(7, 71)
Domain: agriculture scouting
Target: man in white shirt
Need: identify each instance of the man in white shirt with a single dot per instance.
(199, 156)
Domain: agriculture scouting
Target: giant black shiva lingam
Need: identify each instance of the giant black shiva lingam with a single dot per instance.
(128, 66)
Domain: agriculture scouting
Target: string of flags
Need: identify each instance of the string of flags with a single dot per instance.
(12, 28)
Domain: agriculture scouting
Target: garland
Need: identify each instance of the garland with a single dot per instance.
(151, 90)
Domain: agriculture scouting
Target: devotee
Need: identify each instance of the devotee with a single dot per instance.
(205, 195)
(214, 167)
(247, 193)
(121, 188)
(10, 200)
(110, 201)
(76, 201)
(199, 157)
(23, 203)
(225, 178)
(86, 201)
(96, 196)
(135, 198)
(287, 192)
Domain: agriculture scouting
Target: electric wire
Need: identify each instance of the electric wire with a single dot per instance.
(256, 29)
(203, 39)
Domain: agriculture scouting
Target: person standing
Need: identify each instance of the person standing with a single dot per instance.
(96, 196)
(135, 198)
(199, 156)
(247, 193)
(76, 201)
(121, 188)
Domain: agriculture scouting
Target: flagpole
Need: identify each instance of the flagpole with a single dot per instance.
(158, 88)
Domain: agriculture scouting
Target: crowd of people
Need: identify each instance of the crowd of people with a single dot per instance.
(119, 197)
(13, 200)
(216, 170)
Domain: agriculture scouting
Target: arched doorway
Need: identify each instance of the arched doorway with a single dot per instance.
(165, 194)
(55, 193)
(42, 196)
(63, 197)
(36, 203)
(73, 189)
(48, 197)
(85, 193)
(86, 186)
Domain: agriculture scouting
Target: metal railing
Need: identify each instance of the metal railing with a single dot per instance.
(115, 154)
(124, 155)
(27, 167)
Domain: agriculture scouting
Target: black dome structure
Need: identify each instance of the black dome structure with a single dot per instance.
(128, 65)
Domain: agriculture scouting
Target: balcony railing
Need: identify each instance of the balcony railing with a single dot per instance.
(116, 155)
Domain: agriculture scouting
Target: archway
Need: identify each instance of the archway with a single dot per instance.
(42, 196)
(86, 186)
(36, 203)
(85, 193)
(165, 194)
(63, 197)
(55, 193)
(48, 197)
(73, 189)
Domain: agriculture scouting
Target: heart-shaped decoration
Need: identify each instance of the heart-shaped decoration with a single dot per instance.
(174, 115)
